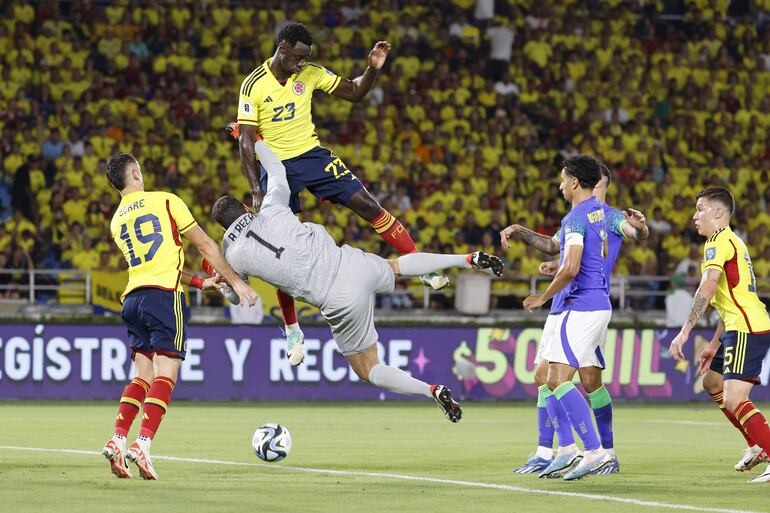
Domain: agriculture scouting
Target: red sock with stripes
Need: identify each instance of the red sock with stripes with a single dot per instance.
(394, 233)
(286, 302)
(156, 405)
(130, 402)
(754, 423)
(719, 399)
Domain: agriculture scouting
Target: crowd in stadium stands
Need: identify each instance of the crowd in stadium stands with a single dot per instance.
(462, 135)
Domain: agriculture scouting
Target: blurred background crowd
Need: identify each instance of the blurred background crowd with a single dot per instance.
(463, 134)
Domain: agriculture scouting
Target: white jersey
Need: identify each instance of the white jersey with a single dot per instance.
(299, 258)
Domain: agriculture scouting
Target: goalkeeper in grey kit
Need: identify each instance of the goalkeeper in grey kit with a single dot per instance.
(303, 260)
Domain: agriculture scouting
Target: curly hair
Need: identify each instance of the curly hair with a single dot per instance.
(294, 32)
(117, 167)
(585, 168)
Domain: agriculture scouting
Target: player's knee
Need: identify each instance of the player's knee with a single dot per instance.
(364, 205)
(731, 402)
(554, 382)
(541, 376)
(712, 382)
(591, 381)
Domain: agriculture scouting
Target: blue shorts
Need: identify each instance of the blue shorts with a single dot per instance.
(156, 320)
(319, 171)
(740, 355)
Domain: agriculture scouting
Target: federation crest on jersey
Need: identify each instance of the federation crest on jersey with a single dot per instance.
(711, 254)
(298, 88)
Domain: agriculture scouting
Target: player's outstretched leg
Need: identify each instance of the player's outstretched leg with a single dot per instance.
(368, 367)
(416, 264)
(393, 232)
(568, 455)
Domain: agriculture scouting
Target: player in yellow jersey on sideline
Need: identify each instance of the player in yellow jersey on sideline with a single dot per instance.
(147, 228)
(728, 283)
(275, 101)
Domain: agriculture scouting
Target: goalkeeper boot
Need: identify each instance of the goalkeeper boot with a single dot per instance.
(447, 404)
(435, 280)
(486, 262)
(295, 339)
(141, 458)
(752, 457)
(115, 452)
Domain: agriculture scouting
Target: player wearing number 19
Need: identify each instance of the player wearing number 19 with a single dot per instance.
(147, 228)
(728, 284)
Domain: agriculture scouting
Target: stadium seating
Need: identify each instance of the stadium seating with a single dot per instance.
(460, 137)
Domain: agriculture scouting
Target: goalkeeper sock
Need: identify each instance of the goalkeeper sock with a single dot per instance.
(395, 380)
(130, 402)
(578, 413)
(545, 429)
(156, 405)
(417, 264)
(559, 418)
(601, 403)
(719, 399)
(754, 423)
(393, 232)
(286, 302)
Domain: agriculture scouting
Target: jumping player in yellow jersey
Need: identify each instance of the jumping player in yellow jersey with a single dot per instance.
(147, 228)
(275, 102)
(728, 284)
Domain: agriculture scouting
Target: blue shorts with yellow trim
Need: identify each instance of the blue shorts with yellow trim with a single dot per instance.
(157, 322)
(740, 355)
(319, 171)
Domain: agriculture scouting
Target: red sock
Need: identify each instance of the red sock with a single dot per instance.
(156, 405)
(286, 302)
(718, 398)
(394, 233)
(754, 423)
(130, 402)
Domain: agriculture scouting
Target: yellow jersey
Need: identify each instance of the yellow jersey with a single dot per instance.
(281, 113)
(736, 297)
(146, 227)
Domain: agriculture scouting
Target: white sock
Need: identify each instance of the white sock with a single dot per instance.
(417, 264)
(292, 328)
(119, 439)
(396, 380)
(611, 452)
(567, 448)
(544, 452)
(144, 442)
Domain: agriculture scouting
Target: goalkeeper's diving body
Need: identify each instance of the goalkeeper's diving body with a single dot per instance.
(303, 260)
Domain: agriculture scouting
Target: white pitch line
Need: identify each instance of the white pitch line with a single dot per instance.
(404, 477)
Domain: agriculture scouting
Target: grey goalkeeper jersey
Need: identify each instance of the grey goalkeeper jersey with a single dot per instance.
(299, 258)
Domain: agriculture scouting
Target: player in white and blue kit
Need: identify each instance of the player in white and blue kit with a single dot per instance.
(551, 417)
(587, 309)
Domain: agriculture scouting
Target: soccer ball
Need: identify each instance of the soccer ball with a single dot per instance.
(271, 442)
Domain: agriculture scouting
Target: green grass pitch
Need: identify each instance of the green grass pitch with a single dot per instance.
(679, 456)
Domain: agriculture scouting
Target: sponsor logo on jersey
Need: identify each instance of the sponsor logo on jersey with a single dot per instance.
(268, 99)
(298, 88)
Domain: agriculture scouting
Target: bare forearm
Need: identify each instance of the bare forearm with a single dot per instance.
(561, 280)
(539, 241)
(699, 304)
(363, 84)
(249, 162)
(209, 250)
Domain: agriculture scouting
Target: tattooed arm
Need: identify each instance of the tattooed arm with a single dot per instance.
(706, 290)
(540, 242)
